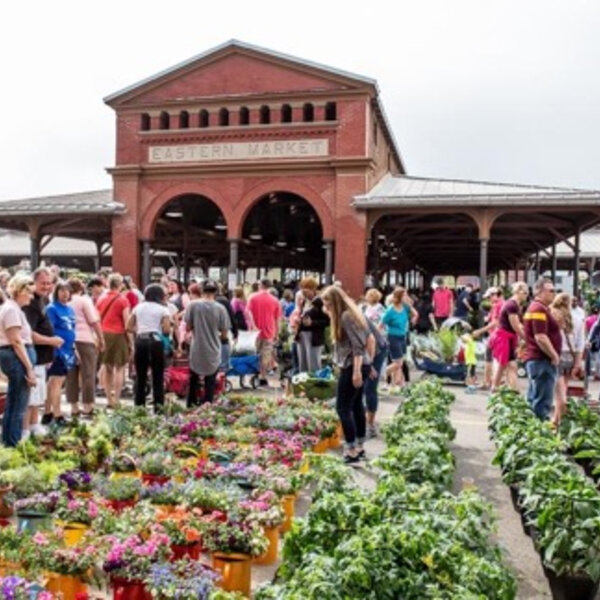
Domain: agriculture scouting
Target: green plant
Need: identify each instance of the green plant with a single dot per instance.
(447, 343)
(122, 488)
(245, 537)
(156, 463)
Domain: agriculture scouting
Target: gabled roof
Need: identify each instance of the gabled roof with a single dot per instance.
(232, 44)
(99, 202)
(16, 243)
(401, 190)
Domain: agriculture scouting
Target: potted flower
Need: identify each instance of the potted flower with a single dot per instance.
(120, 493)
(166, 496)
(156, 468)
(74, 516)
(199, 495)
(78, 482)
(17, 588)
(124, 465)
(67, 569)
(184, 530)
(12, 544)
(129, 561)
(34, 513)
(233, 544)
(185, 580)
(265, 509)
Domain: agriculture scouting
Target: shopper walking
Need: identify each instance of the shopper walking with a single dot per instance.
(266, 312)
(114, 313)
(62, 318)
(17, 356)
(89, 340)
(149, 321)
(353, 352)
(506, 338)
(543, 348)
(45, 344)
(208, 322)
(443, 303)
(572, 345)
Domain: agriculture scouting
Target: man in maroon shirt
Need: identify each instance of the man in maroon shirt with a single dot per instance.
(542, 350)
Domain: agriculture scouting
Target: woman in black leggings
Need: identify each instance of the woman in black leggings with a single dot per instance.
(354, 348)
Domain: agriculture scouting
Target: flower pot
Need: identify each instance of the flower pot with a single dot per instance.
(73, 532)
(270, 556)
(84, 495)
(193, 551)
(288, 504)
(125, 589)
(165, 508)
(8, 568)
(335, 440)
(514, 496)
(136, 474)
(154, 479)
(65, 586)
(321, 446)
(236, 571)
(576, 586)
(6, 509)
(120, 505)
(33, 522)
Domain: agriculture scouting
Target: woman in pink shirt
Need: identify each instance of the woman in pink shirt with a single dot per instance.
(17, 357)
(89, 340)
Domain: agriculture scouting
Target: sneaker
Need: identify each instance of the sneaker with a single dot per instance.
(263, 382)
(47, 418)
(351, 460)
(25, 434)
(362, 454)
(372, 431)
(39, 429)
(471, 389)
(60, 421)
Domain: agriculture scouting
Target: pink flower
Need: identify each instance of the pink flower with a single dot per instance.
(40, 539)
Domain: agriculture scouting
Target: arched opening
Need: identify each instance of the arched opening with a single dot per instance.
(164, 120)
(282, 231)
(203, 118)
(190, 237)
(330, 111)
(308, 113)
(265, 115)
(409, 248)
(145, 122)
(286, 113)
(184, 119)
(223, 117)
(244, 116)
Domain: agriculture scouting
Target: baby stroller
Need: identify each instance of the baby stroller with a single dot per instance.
(177, 381)
(454, 371)
(245, 365)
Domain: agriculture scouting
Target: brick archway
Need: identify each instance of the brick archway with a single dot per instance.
(159, 203)
(254, 195)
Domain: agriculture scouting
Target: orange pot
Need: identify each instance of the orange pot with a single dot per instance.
(236, 571)
(288, 503)
(8, 568)
(73, 532)
(270, 556)
(335, 440)
(321, 446)
(65, 586)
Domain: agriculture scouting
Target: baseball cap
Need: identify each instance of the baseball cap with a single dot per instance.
(490, 291)
(209, 285)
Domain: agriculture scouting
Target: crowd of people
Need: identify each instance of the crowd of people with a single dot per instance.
(84, 339)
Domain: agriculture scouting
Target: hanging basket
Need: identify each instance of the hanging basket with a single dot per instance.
(120, 505)
(73, 532)
(6, 508)
(571, 586)
(33, 522)
(192, 551)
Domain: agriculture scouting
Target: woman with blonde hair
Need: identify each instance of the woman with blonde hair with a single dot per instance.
(397, 319)
(573, 343)
(17, 356)
(353, 352)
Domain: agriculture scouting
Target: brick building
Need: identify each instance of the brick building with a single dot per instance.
(249, 157)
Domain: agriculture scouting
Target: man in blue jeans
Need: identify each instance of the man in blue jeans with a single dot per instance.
(543, 346)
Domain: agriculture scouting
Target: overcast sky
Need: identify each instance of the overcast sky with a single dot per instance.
(504, 91)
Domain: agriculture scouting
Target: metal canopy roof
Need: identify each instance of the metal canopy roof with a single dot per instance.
(401, 190)
(98, 202)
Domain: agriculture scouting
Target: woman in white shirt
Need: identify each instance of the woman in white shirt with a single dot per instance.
(17, 356)
(149, 321)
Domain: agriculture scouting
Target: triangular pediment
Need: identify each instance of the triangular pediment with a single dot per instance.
(237, 69)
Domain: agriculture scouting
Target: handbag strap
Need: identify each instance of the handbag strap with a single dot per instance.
(107, 308)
